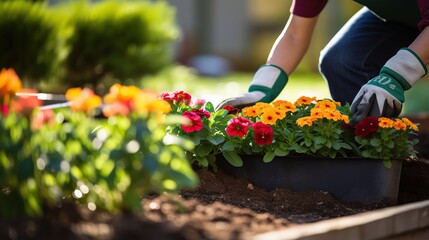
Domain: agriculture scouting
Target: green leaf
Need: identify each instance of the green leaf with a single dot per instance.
(319, 140)
(209, 107)
(203, 161)
(269, 156)
(233, 158)
(375, 142)
(203, 150)
(228, 146)
(387, 163)
(216, 140)
(281, 152)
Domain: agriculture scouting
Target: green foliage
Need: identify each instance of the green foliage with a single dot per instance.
(29, 40)
(115, 39)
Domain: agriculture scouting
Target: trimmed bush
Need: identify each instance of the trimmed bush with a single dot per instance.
(118, 40)
(29, 40)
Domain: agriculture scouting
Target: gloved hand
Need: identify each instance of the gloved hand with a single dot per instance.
(383, 95)
(266, 85)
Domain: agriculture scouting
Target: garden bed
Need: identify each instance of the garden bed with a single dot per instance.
(221, 208)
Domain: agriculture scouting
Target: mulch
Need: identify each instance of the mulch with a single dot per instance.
(222, 207)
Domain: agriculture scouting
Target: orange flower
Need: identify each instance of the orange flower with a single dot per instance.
(398, 124)
(251, 111)
(83, 100)
(385, 122)
(284, 105)
(10, 83)
(281, 113)
(116, 108)
(327, 104)
(147, 102)
(304, 101)
(118, 92)
(332, 115)
(305, 121)
(316, 112)
(410, 124)
(269, 117)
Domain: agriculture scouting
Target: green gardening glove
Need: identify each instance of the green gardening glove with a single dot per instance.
(383, 95)
(266, 85)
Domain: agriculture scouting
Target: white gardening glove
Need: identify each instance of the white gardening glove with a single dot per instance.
(383, 95)
(266, 85)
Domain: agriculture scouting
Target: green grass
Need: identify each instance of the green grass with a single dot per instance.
(216, 89)
(300, 84)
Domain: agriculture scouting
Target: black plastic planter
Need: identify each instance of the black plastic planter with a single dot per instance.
(347, 179)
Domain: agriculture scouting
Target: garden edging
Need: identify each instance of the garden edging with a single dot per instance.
(389, 223)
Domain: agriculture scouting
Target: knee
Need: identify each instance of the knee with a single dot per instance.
(329, 62)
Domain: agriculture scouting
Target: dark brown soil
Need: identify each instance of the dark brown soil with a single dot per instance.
(221, 208)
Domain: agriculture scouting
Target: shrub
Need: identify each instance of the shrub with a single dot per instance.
(110, 163)
(29, 40)
(118, 40)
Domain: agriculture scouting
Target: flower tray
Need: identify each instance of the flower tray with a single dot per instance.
(360, 180)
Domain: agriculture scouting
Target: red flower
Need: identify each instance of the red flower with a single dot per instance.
(238, 127)
(25, 104)
(201, 113)
(194, 125)
(366, 127)
(231, 109)
(263, 133)
(179, 97)
(169, 97)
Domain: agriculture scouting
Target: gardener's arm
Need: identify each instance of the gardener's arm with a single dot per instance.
(286, 53)
(421, 45)
(384, 94)
(292, 44)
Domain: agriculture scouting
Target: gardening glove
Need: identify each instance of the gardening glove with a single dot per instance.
(266, 85)
(384, 94)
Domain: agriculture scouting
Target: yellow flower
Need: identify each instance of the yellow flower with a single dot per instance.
(410, 124)
(304, 101)
(398, 124)
(251, 111)
(345, 118)
(269, 117)
(305, 121)
(384, 122)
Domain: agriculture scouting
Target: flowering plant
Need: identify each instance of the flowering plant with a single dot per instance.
(311, 127)
(70, 154)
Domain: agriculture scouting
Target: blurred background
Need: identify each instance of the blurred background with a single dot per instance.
(208, 48)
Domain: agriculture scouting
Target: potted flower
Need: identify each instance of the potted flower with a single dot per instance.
(297, 145)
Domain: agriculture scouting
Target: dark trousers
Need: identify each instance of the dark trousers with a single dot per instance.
(359, 50)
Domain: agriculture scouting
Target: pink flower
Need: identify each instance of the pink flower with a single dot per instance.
(263, 134)
(238, 127)
(169, 97)
(198, 102)
(182, 97)
(194, 125)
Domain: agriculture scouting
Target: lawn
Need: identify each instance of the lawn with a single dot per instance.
(216, 89)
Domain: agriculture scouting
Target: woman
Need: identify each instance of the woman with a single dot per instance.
(379, 53)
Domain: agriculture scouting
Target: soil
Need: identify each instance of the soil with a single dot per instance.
(221, 208)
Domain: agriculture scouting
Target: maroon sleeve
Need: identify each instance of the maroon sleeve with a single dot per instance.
(424, 12)
(309, 8)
